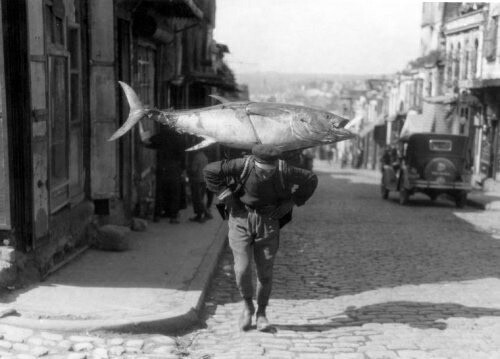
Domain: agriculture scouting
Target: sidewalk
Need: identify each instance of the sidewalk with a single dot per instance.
(159, 283)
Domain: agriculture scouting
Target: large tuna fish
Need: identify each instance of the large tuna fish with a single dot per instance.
(244, 124)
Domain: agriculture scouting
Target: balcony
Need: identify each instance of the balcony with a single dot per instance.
(464, 22)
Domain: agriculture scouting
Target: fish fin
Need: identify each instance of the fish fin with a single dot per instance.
(207, 141)
(137, 111)
(264, 109)
(220, 98)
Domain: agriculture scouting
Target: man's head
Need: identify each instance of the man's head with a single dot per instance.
(266, 156)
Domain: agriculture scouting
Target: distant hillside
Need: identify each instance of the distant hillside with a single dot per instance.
(263, 83)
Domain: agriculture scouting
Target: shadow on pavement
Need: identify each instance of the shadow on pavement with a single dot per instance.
(419, 315)
(348, 241)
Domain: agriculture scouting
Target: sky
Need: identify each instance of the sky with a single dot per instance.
(319, 36)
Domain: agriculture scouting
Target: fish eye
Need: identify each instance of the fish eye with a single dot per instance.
(328, 116)
(302, 119)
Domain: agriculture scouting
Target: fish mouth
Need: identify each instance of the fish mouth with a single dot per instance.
(337, 130)
(338, 122)
(339, 134)
(327, 133)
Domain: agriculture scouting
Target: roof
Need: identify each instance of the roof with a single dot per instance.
(173, 8)
(441, 99)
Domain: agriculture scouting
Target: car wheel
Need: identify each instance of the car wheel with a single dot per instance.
(461, 199)
(433, 197)
(384, 191)
(404, 196)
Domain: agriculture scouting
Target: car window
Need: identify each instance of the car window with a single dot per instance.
(440, 145)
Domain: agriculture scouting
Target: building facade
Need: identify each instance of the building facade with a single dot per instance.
(60, 61)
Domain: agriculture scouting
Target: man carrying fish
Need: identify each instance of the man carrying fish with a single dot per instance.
(263, 197)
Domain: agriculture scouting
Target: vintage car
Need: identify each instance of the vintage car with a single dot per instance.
(430, 163)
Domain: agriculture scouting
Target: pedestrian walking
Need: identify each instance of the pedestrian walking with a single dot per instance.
(197, 162)
(263, 196)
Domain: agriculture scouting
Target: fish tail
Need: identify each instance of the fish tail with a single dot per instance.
(137, 111)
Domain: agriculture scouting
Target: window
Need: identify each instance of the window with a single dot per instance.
(75, 113)
(465, 74)
(54, 15)
(440, 145)
(58, 134)
(145, 84)
(449, 64)
(474, 54)
(456, 75)
(65, 106)
(145, 74)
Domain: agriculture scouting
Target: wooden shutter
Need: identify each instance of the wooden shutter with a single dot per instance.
(103, 87)
(4, 158)
(39, 125)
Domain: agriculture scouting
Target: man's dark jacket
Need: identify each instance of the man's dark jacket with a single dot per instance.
(299, 184)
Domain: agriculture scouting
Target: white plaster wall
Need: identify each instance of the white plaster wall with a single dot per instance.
(491, 70)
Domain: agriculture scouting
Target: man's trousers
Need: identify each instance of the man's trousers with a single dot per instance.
(252, 235)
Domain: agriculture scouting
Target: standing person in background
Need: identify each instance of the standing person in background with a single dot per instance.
(197, 162)
(263, 198)
(308, 157)
(169, 146)
(210, 198)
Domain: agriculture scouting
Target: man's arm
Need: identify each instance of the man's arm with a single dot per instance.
(217, 174)
(306, 181)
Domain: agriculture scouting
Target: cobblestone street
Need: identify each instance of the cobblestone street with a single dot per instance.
(357, 277)
(360, 277)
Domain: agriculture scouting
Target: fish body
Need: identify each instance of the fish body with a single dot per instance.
(243, 124)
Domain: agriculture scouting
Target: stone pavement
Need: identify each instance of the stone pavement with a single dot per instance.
(22, 343)
(159, 282)
(487, 200)
(359, 277)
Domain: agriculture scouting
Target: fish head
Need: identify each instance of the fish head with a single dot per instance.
(319, 126)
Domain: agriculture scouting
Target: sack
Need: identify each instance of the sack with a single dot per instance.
(285, 219)
(221, 208)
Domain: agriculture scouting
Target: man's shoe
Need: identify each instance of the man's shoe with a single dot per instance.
(174, 221)
(245, 321)
(198, 219)
(263, 324)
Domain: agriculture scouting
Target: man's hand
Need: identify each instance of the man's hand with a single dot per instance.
(282, 209)
(225, 196)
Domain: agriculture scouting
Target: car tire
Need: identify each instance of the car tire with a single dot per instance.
(461, 199)
(404, 196)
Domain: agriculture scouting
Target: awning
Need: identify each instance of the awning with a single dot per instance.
(441, 99)
(171, 8)
(369, 127)
(416, 123)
